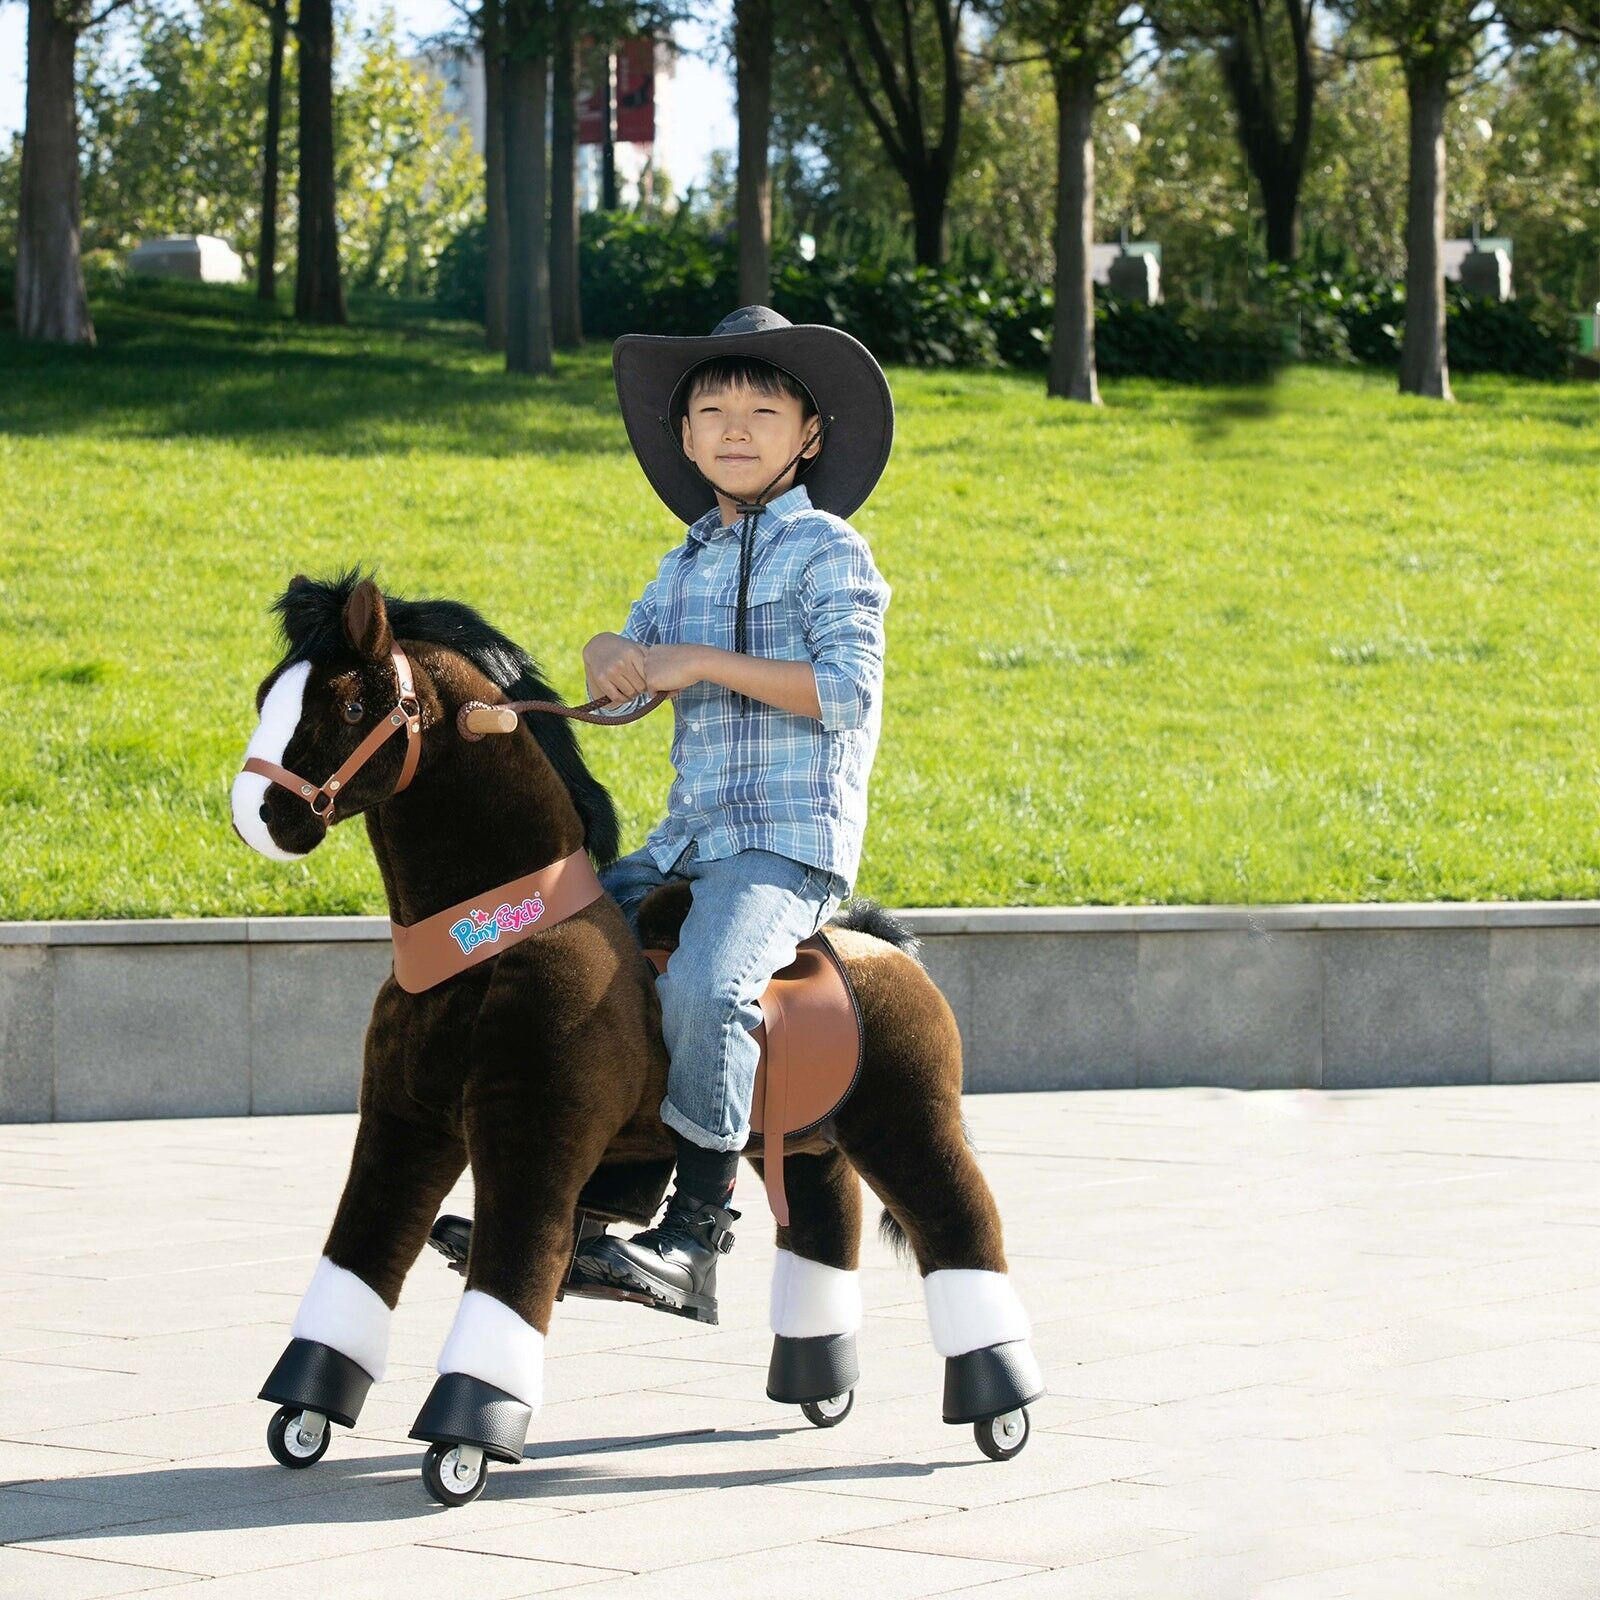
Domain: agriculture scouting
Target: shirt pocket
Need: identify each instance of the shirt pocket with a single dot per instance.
(772, 620)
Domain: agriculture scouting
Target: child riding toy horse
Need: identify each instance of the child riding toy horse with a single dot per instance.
(539, 1058)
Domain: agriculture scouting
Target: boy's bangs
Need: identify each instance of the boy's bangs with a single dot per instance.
(750, 372)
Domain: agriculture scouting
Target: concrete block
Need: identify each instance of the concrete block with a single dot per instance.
(151, 1031)
(309, 1005)
(949, 964)
(1405, 1008)
(1048, 1010)
(27, 1027)
(1242, 1010)
(1544, 1004)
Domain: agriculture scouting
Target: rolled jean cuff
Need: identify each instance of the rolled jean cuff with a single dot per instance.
(703, 1137)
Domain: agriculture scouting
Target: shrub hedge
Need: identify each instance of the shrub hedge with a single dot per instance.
(679, 276)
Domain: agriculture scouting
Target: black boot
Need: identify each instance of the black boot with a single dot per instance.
(672, 1266)
(451, 1236)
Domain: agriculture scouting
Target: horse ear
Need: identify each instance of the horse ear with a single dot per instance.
(298, 581)
(366, 622)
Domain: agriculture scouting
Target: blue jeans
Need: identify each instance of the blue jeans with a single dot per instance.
(749, 911)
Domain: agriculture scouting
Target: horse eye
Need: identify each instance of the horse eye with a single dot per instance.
(353, 711)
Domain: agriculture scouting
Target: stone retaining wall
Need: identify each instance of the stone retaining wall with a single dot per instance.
(229, 1017)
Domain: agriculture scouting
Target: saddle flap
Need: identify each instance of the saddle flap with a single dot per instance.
(810, 1003)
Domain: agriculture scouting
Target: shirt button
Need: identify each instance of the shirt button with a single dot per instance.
(695, 726)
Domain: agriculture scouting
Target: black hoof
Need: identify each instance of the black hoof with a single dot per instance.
(803, 1370)
(464, 1410)
(316, 1377)
(989, 1383)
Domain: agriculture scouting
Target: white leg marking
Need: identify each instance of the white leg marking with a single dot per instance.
(810, 1300)
(969, 1310)
(340, 1310)
(490, 1341)
(280, 716)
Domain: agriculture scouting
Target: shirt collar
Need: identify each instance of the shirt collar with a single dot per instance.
(710, 526)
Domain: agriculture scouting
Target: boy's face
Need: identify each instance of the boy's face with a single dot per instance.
(739, 437)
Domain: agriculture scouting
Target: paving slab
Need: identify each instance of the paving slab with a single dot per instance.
(1299, 1345)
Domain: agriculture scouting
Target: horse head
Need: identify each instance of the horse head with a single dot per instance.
(351, 714)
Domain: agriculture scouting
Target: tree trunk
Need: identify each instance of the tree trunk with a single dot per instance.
(528, 296)
(1424, 366)
(753, 51)
(1072, 372)
(1276, 160)
(267, 256)
(1280, 199)
(929, 193)
(565, 308)
(52, 302)
(608, 143)
(318, 293)
(496, 263)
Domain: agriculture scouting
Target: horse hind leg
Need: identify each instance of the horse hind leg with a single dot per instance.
(902, 1130)
(816, 1291)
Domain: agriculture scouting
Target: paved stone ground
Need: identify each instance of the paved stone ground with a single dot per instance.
(1300, 1345)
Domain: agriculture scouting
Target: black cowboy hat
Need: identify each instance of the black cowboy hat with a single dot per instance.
(846, 383)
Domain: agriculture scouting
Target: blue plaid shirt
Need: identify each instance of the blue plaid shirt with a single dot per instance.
(772, 780)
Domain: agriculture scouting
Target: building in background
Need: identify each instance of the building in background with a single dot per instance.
(646, 110)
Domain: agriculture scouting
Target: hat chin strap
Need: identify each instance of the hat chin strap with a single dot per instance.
(750, 511)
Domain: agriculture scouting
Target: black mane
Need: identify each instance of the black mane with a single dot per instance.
(311, 615)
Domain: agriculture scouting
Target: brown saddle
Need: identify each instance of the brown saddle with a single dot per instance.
(811, 1049)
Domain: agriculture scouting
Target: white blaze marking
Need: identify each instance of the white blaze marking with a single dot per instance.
(280, 716)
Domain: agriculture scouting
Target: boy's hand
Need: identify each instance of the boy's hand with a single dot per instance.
(614, 666)
(670, 667)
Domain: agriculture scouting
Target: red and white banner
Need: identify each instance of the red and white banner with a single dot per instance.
(636, 97)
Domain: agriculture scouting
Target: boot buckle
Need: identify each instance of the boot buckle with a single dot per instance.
(724, 1243)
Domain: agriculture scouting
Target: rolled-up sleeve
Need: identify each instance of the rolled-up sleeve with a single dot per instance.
(844, 597)
(642, 626)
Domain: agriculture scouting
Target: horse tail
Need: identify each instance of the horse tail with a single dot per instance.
(867, 916)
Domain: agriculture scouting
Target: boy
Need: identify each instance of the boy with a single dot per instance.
(766, 625)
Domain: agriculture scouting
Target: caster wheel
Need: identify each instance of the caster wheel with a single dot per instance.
(1002, 1437)
(298, 1438)
(454, 1473)
(829, 1413)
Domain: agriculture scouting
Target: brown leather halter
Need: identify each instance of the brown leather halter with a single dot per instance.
(406, 713)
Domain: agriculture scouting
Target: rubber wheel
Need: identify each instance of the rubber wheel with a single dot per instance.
(829, 1413)
(442, 1481)
(283, 1439)
(1002, 1437)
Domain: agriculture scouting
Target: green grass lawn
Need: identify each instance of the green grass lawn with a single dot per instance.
(1311, 643)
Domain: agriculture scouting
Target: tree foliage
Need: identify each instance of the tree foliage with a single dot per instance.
(173, 115)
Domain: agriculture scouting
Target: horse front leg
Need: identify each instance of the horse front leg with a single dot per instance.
(403, 1165)
(533, 1137)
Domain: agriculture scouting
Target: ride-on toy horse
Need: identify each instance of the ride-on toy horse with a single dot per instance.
(539, 1058)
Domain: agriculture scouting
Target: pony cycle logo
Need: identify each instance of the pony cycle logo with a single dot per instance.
(485, 927)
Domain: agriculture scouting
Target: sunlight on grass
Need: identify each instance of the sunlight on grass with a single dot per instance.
(1316, 642)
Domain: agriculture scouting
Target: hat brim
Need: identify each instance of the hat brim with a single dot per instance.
(841, 373)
